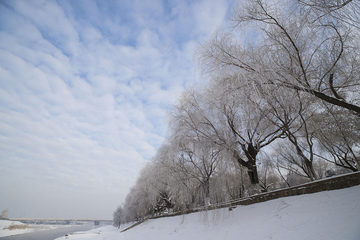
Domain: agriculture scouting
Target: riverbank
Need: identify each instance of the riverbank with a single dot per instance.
(327, 215)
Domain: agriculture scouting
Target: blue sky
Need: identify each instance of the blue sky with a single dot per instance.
(84, 90)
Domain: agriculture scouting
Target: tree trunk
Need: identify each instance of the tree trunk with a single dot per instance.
(253, 174)
(251, 153)
(250, 164)
(206, 189)
(310, 170)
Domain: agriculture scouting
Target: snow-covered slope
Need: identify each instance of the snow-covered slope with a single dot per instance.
(329, 215)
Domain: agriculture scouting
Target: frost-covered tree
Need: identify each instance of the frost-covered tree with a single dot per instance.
(118, 217)
(229, 116)
(339, 137)
(308, 46)
(230, 182)
(308, 49)
(144, 198)
(198, 159)
(269, 179)
(284, 75)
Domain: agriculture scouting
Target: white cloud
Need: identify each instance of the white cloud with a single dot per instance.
(84, 91)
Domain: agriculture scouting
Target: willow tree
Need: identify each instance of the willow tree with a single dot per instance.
(308, 46)
(198, 159)
(230, 117)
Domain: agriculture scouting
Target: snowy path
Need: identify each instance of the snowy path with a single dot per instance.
(329, 215)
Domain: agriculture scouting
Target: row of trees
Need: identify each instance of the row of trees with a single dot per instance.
(279, 106)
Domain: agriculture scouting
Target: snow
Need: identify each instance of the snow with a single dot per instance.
(22, 228)
(328, 215)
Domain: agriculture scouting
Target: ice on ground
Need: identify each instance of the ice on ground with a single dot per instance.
(9, 228)
(328, 215)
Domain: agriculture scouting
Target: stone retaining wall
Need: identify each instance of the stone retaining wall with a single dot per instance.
(332, 183)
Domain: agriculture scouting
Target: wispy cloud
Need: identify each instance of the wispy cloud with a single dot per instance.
(84, 90)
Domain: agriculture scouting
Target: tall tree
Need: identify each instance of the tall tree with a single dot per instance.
(228, 116)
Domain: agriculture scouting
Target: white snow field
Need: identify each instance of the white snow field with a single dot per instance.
(328, 215)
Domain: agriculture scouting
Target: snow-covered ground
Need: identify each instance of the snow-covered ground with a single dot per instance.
(329, 215)
(9, 228)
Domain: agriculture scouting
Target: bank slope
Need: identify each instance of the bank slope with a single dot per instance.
(328, 215)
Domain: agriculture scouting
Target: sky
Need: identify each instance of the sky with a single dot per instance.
(85, 87)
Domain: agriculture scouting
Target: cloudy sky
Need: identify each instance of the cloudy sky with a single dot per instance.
(84, 90)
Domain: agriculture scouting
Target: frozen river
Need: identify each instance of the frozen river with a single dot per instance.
(50, 234)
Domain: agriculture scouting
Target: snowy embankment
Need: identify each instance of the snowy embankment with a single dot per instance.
(9, 228)
(328, 215)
